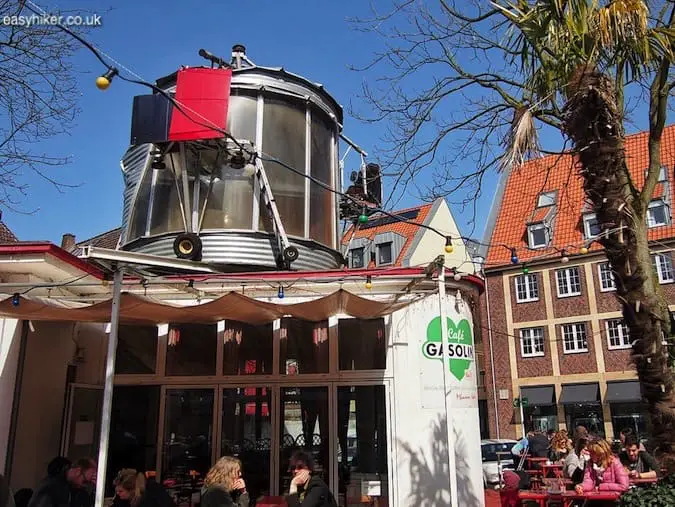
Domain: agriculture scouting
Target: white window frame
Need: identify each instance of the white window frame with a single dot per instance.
(551, 195)
(534, 336)
(529, 281)
(658, 266)
(666, 213)
(568, 279)
(620, 330)
(530, 236)
(611, 277)
(587, 228)
(577, 329)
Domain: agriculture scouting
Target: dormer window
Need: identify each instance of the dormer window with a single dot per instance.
(657, 213)
(591, 226)
(384, 254)
(663, 174)
(537, 235)
(546, 199)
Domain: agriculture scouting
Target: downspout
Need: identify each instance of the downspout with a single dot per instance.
(492, 357)
(16, 400)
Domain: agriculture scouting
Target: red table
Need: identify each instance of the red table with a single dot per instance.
(272, 501)
(638, 482)
(534, 496)
(569, 496)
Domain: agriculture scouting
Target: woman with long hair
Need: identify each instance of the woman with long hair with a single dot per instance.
(560, 446)
(133, 490)
(224, 486)
(604, 472)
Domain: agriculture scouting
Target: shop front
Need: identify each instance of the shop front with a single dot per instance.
(583, 407)
(626, 407)
(360, 385)
(539, 410)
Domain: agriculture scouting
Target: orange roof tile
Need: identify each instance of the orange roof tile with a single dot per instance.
(407, 230)
(558, 172)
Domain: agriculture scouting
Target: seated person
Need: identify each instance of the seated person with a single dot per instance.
(604, 472)
(538, 445)
(575, 462)
(628, 432)
(132, 490)
(509, 494)
(640, 464)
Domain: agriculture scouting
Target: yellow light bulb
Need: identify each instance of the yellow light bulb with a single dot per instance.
(102, 83)
(369, 285)
(583, 250)
(449, 248)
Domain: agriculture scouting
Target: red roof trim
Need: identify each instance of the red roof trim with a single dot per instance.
(51, 249)
(39, 247)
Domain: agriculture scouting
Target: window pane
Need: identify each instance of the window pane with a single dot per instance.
(320, 199)
(284, 139)
(191, 350)
(537, 236)
(357, 257)
(303, 347)
(546, 199)
(362, 442)
(384, 253)
(532, 286)
(247, 349)
(166, 210)
(133, 432)
(362, 344)
(188, 429)
(247, 434)
(656, 214)
(139, 219)
(241, 115)
(136, 350)
(304, 425)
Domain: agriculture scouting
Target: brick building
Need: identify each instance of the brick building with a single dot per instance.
(557, 353)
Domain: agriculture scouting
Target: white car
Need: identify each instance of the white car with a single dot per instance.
(494, 464)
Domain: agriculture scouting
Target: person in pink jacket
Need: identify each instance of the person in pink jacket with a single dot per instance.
(605, 472)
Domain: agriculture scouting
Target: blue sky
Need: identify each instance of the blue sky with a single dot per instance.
(153, 38)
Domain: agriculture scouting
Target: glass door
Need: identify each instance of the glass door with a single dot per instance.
(246, 433)
(188, 437)
(304, 425)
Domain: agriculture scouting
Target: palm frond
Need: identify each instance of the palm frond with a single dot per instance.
(522, 140)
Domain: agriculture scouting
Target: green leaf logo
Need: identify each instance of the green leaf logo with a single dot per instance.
(460, 345)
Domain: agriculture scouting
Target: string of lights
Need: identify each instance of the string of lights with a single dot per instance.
(104, 81)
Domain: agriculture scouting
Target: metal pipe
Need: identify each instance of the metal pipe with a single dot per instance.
(353, 144)
(492, 357)
(452, 465)
(16, 399)
(106, 411)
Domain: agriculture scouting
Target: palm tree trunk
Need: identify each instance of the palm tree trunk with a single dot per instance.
(594, 123)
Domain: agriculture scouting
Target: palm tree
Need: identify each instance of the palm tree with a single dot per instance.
(583, 54)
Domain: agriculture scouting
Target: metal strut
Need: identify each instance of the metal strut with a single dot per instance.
(288, 253)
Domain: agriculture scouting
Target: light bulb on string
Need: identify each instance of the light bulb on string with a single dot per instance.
(280, 293)
(514, 256)
(363, 218)
(564, 259)
(369, 282)
(16, 299)
(584, 249)
(526, 270)
(103, 82)
(457, 276)
(448, 244)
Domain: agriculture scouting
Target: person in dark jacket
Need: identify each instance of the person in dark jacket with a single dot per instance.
(224, 486)
(132, 490)
(307, 490)
(640, 464)
(57, 490)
